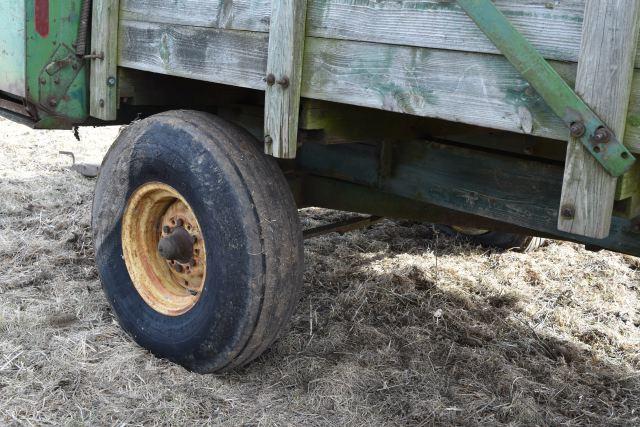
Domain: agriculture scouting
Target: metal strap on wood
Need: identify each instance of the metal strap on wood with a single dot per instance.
(104, 59)
(284, 77)
(584, 124)
(605, 74)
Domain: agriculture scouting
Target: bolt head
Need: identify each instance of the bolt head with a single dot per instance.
(111, 81)
(268, 140)
(178, 268)
(577, 129)
(568, 212)
(166, 229)
(53, 102)
(602, 136)
(270, 79)
(179, 222)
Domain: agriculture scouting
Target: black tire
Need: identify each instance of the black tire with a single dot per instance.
(498, 239)
(250, 223)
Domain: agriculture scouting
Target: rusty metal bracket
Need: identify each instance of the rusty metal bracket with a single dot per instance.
(57, 76)
(583, 123)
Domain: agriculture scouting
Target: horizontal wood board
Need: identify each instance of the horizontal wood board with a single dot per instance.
(553, 27)
(469, 87)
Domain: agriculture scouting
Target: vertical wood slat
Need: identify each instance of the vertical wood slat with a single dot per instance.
(605, 72)
(284, 77)
(104, 42)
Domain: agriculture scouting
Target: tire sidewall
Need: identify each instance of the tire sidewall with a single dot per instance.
(185, 157)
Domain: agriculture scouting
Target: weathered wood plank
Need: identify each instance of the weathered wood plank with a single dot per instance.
(284, 75)
(104, 41)
(554, 28)
(479, 89)
(605, 73)
(246, 15)
(237, 58)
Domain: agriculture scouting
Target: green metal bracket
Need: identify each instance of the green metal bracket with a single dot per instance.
(56, 77)
(583, 123)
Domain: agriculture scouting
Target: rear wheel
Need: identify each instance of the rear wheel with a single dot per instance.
(198, 242)
(495, 239)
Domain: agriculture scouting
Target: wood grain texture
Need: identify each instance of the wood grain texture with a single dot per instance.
(104, 40)
(554, 28)
(237, 58)
(284, 63)
(474, 88)
(605, 73)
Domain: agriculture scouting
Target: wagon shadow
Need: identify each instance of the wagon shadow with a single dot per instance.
(414, 349)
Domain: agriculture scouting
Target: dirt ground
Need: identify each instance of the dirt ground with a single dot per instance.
(398, 325)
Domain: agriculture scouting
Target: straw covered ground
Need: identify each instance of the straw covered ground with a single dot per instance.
(397, 325)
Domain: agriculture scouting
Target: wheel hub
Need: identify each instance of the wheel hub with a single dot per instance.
(164, 249)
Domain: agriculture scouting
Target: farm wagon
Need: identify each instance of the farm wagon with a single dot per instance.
(507, 118)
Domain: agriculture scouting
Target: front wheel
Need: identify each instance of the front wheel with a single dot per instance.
(198, 242)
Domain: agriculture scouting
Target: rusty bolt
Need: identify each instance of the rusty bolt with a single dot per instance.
(57, 80)
(166, 229)
(577, 129)
(179, 222)
(284, 82)
(43, 81)
(268, 140)
(568, 212)
(270, 79)
(602, 136)
(179, 268)
(53, 102)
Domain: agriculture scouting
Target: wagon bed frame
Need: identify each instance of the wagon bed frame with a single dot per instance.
(321, 76)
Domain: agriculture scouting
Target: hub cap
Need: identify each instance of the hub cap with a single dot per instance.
(163, 249)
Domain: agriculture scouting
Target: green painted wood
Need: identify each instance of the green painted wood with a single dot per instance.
(13, 48)
(104, 43)
(283, 77)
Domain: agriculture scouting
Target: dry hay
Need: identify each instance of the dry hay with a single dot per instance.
(397, 325)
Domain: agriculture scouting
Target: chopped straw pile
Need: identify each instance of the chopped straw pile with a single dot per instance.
(397, 325)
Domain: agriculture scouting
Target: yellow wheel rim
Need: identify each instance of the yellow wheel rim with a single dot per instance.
(155, 213)
(470, 231)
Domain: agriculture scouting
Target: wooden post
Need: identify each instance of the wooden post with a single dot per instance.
(605, 73)
(104, 64)
(284, 77)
